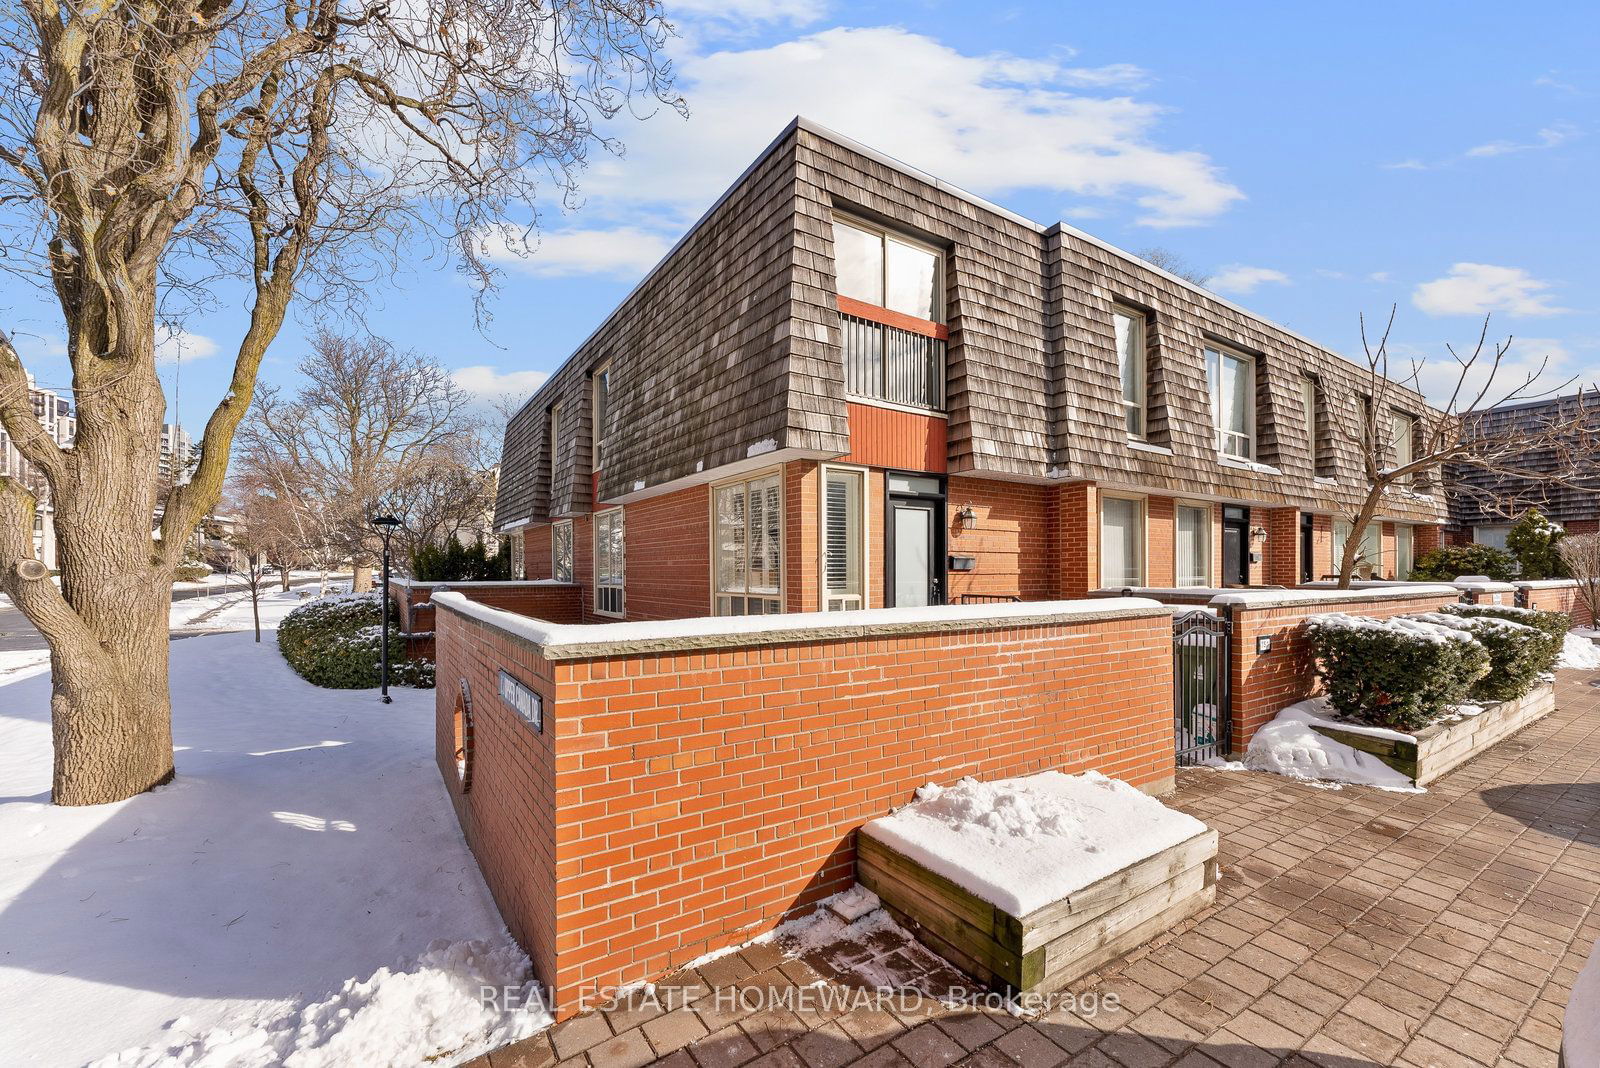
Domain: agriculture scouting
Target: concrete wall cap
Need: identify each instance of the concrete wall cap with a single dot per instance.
(1292, 598)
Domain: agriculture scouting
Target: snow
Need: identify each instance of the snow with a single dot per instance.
(1579, 652)
(301, 895)
(762, 447)
(553, 636)
(1288, 746)
(1026, 842)
(1547, 584)
(1580, 1038)
(1276, 597)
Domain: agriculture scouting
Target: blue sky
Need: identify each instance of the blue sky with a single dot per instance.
(1321, 163)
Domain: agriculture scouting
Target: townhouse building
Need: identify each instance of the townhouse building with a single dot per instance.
(853, 385)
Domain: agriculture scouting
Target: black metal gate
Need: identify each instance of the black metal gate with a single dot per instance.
(1202, 715)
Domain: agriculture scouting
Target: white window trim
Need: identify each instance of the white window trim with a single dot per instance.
(884, 234)
(1251, 387)
(1141, 343)
(783, 534)
(601, 370)
(1396, 417)
(822, 531)
(571, 536)
(623, 585)
(1144, 536)
(1211, 537)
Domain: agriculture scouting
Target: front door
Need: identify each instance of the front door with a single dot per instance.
(913, 544)
(1235, 546)
(1308, 528)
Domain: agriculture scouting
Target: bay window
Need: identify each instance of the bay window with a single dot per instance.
(1130, 336)
(1193, 545)
(561, 551)
(843, 579)
(747, 547)
(609, 566)
(1121, 541)
(1232, 382)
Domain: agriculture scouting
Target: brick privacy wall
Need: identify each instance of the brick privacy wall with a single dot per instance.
(1011, 538)
(508, 817)
(557, 604)
(1265, 683)
(1562, 599)
(701, 797)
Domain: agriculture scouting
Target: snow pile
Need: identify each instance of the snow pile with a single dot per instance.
(1023, 843)
(1580, 1039)
(1579, 652)
(425, 1010)
(1288, 746)
(300, 894)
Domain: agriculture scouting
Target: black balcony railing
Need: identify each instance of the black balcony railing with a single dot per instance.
(889, 364)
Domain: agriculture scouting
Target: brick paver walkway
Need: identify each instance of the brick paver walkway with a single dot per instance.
(1353, 927)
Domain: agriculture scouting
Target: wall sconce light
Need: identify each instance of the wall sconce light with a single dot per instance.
(1259, 532)
(965, 518)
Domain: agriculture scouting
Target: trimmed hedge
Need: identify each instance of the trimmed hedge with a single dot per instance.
(1396, 673)
(1518, 653)
(1449, 562)
(336, 642)
(1554, 625)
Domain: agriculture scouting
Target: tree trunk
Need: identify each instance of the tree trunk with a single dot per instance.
(361, 580)
(111, 723)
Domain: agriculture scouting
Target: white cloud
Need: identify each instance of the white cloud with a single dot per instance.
(182, 346)
(1549, 137)
(1240, 279)
(491, 383)
(993, 123)
(1378, 276)
(726, 14)
(625, 252)
(1482, 288)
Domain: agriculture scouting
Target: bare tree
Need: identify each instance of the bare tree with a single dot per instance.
(1175, 263)
(1581, 554)
(294, 149)
(449, 496)
(368, 421)
(250, 539)
(1402, 446)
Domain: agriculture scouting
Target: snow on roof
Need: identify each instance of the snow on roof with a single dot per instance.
(1027, 842)
(566, 641)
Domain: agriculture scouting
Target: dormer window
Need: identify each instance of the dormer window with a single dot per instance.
(601, 415)
(1232, 380)
(1130, 336)
(893, 272)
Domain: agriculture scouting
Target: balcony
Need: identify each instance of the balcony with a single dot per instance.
(887, 363)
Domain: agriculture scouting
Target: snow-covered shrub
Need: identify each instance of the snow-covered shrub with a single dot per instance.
(1552, 624)
(1518, 653)
(1535, 542)
(1396, 673)
(337, 642)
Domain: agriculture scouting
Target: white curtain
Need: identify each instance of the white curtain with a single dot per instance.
(1121, 542)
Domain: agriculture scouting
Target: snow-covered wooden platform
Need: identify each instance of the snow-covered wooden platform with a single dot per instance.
(1046, 884)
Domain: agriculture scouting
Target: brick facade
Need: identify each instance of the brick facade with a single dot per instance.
(1560, 599)
(678, 802)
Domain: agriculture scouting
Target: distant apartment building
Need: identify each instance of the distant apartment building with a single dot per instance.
(54, 413)
(1484, 504)
(177, 455)
(853, 385)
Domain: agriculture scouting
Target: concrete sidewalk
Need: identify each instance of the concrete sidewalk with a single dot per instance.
(1353, 927)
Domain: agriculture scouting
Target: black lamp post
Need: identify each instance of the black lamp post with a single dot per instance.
(384, 525)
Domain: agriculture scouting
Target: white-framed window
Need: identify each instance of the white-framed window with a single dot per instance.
(1404, 551)
(1491, 534)
(747, 546)
(1122, 546)
(1129, 328)
(609, 562)
(843, 539)
(1369, 558)
(878, 267)
(561, 551)
(1403, 429)
(517, 538)
(600, 401)
(1232, 381)
(1193, 545)
(1310, 395)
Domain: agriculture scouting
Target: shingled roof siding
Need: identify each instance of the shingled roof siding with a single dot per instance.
(1510, 496)
(700, 359)
(996, 380)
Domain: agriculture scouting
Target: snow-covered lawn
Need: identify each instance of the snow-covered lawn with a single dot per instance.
(269, 907)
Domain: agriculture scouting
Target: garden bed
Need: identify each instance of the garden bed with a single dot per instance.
(1028, 884)
(1439, 747)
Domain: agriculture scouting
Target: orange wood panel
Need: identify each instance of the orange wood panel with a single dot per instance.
(888, 437)
(863, 310)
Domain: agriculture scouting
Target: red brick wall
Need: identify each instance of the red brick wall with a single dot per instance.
(1009, 537)
(700, 797)
(1264, 683)
(557, 604)
(1161, 548)
(1283, 546)
(1078, 538)
(802, 549)
(538, 562)
(508, 817)
(667, 555)
(1561, 599)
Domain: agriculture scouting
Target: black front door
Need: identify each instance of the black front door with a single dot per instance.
(1235, 546)
(1307, 547)
(914, 536)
